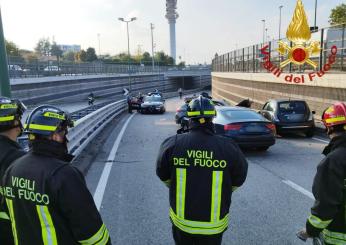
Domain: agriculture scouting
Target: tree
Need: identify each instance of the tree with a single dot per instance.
(11, 48)
(91, 55)
(338, 15)
(81, 56)
(43, 47)
(55, 50)
(69, 56)
(181, 64)
(146, 57)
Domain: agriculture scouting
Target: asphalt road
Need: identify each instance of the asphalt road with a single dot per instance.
(270, 208)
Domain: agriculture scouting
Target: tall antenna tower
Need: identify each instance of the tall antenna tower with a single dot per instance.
(172, 15)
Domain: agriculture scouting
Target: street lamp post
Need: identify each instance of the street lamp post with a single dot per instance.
(266, 34)
(5, 89)
(128, 45)
(280, 8)
(315, 23)
(152, 46)
(264, 29)
(99, 40)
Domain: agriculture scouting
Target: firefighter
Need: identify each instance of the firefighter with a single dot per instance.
(11, 112)
(328, 215)
(202, 170)
(47, 199)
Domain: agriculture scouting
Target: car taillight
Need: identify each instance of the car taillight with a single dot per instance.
(272, 127)
(232, 127)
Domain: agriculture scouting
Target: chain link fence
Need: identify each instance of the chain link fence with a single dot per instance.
(250, 59)
(21, 68)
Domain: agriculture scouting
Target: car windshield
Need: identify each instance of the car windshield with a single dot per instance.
(241, 115)
(289, 107)
(153, 99)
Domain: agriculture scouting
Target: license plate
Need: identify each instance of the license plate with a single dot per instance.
(253, 129)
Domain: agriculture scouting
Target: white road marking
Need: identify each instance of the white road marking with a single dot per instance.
(299, 188)
(321, 140)
(101, 186)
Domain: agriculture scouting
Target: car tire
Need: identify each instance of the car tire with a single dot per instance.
(310, 133)
(263, 148)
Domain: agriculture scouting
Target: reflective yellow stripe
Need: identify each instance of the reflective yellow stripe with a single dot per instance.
(6, 119)
(4, 215)
(334, 238)
(47, 226)
(101, 237)
(13, 221)
(197, 227)
(216, 196)
(42, 127)
(193, 113)
(8, 106)
(54, 115)
(336, 119)
(209, 112)
(180, 192)
(318, 223)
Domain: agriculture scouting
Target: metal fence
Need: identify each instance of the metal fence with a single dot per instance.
(20, 68)
(250, 59)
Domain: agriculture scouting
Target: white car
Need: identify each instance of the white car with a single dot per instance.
(52, 68)
(14, 68)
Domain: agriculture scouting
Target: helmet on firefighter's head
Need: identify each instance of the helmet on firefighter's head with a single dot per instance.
(46, 120)
(10, 112)
(201, 108)
(335, 115)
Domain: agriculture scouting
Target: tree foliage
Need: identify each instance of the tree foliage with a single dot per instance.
(338, 15)
(91, 55)
(81, 56)
(55, 50)
(43, 47)
(12, 49)
(69, 56)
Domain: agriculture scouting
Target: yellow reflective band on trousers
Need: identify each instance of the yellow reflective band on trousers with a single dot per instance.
(4, 215)
(100, 238)
(334, 238)
(180, 192)
(197, 227)
(215, 225)
(13, 220)
(47, 226)
(216, 196)
(318, 223)
(6, 119)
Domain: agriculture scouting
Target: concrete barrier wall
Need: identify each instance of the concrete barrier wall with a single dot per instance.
(74, 90)
(261, 87)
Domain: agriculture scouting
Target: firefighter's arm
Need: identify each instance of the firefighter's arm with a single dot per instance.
(239, 168)
(328, 191)
(78, 207)
(163, 168)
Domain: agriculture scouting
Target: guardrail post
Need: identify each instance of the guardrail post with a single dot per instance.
(5, 88)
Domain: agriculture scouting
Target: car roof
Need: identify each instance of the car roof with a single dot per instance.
(232, 108)
(286, 100)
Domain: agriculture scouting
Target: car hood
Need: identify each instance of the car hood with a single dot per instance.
(152, 104)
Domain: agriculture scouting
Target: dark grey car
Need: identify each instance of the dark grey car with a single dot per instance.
(290, 116)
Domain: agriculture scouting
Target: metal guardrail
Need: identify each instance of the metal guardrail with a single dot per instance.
(89, 126)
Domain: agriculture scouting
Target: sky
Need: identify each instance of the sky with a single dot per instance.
(204, 27)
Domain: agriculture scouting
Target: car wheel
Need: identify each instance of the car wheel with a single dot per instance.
(310, 133)
(263, 148)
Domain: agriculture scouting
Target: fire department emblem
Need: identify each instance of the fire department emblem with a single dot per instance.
(299, 34)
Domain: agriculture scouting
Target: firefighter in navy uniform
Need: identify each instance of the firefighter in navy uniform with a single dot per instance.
(328, 215)
(202, 170)
(11, 112)
(47, 199)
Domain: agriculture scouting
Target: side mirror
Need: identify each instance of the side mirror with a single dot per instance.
(313, 112)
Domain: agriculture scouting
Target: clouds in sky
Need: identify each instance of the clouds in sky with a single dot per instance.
(203, 28)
